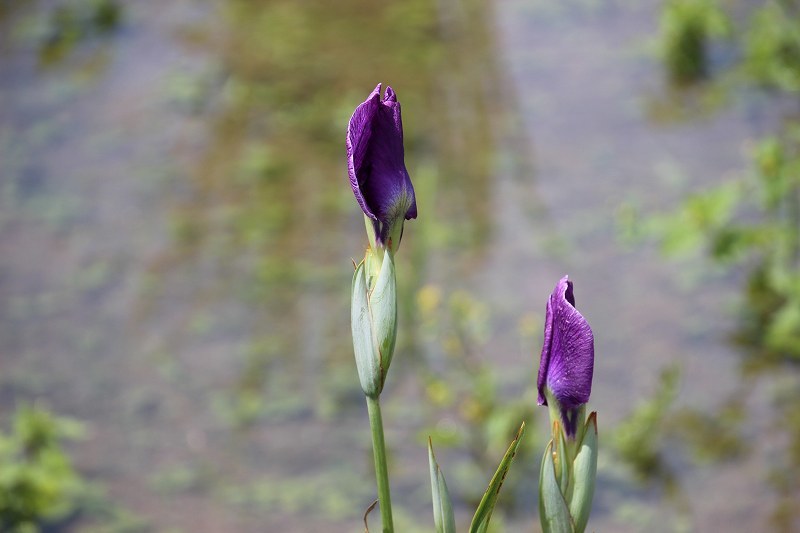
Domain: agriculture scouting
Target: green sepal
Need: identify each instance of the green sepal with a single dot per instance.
(367, 361)
(553, 511)
(584, 472)
(443, 516)
(383, 311)
(480, 522)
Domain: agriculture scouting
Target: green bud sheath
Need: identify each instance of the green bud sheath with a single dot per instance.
(553, 511)
(367, 360)
(374, 320)
(584, 472)
(383, 310)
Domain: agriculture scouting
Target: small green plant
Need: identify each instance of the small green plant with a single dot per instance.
(76, 22)
(686, 27)
(755, 221)
(752, 221)
(774, 286)
(639, 439)
(38, 483)
(772, 45)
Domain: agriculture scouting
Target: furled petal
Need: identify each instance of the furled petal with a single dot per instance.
(567, 361)
(375, 163)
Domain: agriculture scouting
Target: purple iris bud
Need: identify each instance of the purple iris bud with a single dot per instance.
(375, 162)
(567, 361)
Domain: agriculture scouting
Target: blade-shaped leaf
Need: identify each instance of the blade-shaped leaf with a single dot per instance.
(480, 522)
(442, 506)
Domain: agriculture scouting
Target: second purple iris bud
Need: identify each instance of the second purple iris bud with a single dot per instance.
(569, 464)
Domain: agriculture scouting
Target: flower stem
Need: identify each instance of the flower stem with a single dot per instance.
(381, 471)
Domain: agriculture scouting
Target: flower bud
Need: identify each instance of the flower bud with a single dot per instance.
(377, 170)
(569, 465)
(567, 361)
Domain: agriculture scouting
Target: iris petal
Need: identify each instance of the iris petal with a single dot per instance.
(375, 162)
(567, 362)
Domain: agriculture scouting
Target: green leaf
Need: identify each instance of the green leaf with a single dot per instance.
(480, 522)
(442, 506)
(584, 472)
(553, 512)
(367, 363)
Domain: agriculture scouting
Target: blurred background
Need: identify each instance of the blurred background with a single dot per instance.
(176, 235)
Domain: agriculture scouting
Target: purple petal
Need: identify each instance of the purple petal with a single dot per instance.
(375, 162)
(567, 361)
(359, 131)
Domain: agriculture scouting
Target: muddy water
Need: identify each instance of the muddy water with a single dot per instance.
(176, 234)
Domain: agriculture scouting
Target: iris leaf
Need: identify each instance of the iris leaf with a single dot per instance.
(443, 516)
(480, 522)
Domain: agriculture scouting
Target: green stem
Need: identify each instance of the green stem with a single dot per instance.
(381, 471)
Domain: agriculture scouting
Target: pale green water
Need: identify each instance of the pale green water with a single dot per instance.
(176, 232)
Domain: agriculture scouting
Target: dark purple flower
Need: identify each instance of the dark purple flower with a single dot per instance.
(567, 361)
(375, 163)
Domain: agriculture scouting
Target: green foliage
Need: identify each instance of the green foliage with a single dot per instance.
(72, 23)
(711, 437)
(785, 463)
(772, 45)
(752, 220)
(701, 217)
(774, 287)
(686, 26)
(656, 435)
(654, 427)
(640, 438)
(37, 480)
(748, 223)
